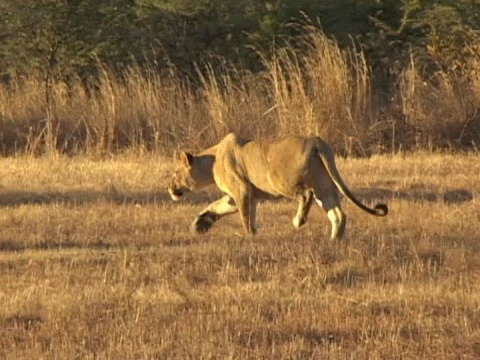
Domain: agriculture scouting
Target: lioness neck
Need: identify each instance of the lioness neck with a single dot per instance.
(206, 159)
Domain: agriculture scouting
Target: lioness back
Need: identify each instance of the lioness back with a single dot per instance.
(278, 168)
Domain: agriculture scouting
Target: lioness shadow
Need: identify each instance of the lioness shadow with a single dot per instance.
(456, 196)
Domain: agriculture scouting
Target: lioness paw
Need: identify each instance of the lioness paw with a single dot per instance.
(202, 224)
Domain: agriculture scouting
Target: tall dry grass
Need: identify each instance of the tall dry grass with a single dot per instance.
(236, 101)
(320, 90)
(143, 109)
(443, 111)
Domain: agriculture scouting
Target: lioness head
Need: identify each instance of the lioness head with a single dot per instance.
(183, 179)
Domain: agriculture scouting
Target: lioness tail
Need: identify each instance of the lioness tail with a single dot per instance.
(326, 154)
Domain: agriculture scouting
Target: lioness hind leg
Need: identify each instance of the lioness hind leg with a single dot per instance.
(343, 221)
(215, 211)
(331, 205)
(338, 220)
(305, 201)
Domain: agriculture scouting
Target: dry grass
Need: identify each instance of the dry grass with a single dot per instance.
(321, 90)
(96, 262)
(444, 111)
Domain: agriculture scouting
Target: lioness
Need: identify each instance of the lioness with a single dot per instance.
(295, 167)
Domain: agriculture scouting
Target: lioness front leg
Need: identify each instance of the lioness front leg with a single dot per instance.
(305, 201)
(216, 210)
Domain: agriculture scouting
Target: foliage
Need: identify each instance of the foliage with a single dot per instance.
(75, 35)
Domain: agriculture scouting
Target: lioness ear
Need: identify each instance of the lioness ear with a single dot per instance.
(186, 158)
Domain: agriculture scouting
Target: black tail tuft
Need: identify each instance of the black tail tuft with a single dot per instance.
(381, 209)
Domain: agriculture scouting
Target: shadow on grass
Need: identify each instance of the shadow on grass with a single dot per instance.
(16, 246)
(456, 196)
(313, 337)
(26, 322)
(347, 278)
(426, 258)
(80, 197)
(19, 246)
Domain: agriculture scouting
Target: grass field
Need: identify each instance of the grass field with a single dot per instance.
(97, 263)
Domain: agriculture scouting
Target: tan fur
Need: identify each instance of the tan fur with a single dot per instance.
(301, 168)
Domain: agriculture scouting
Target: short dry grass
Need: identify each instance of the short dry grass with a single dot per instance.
(97, 263)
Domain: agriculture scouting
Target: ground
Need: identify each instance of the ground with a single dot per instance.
(97, 262)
